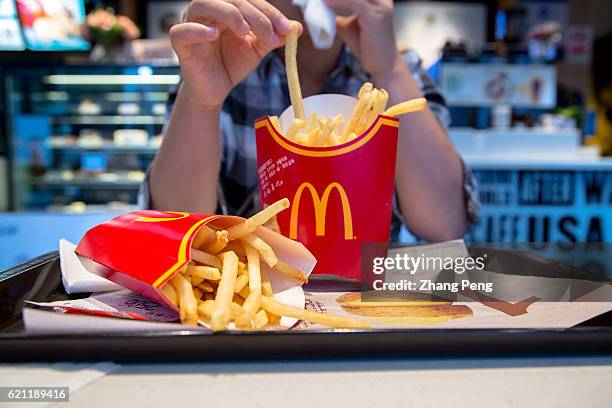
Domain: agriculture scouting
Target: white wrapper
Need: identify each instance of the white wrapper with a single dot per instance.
(320, 21)
(75, 277)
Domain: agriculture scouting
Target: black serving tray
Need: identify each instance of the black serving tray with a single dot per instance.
(40, 280)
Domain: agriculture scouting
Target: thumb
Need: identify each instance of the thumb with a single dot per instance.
(185, 35)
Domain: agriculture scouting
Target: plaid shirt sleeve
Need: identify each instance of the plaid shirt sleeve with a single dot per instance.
(437, 104)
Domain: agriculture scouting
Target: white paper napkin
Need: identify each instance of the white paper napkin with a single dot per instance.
(320, 21)
(75, 277)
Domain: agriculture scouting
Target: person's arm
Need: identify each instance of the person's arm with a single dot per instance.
(218, 45)
(429, 173)
(185, 171)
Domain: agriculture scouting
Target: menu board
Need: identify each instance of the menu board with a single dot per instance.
(10, 32)
(52, 25)
(520, 85)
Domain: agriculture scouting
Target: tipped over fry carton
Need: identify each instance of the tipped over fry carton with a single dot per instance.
(144, 250)
(221, 272)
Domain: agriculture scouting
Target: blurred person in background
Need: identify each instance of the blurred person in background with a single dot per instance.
(231, 59)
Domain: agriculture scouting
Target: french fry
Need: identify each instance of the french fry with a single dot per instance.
(272, 224)
(270, 211)
(295, 126)
(252, 223)
(326, 132)
(205, 308)
(358, 112)
(350, 137)
(262, 247)
(204, 235)
(366, 87)
(238, 299)
(293, 80)
(236, 310)
(260, 320)
(273, 319)
(197, 292)
(204, 272)
(226, 281)
(195, 280)
(205, 258)
(314, 136)
(170, 293)
(206, 286)
(266, 285)
(290, 271)
(412, 105)
(241, 282)
(275, 307)
(218, 243)
(188, 305)
(244, 293)
(221, 314)
(276, 124)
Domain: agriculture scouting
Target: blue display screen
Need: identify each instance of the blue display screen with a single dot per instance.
(52, 25)
(10, 31)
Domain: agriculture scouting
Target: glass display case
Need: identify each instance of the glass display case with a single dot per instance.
(81, 137)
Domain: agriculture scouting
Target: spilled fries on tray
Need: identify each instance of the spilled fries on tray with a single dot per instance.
(225, 282)
(322, 131)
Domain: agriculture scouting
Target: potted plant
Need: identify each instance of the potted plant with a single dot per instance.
(109, 33)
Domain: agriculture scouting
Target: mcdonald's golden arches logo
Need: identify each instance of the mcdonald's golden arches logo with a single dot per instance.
(320, 207)
(180, 216)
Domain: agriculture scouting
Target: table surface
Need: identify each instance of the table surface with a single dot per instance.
(502, 382)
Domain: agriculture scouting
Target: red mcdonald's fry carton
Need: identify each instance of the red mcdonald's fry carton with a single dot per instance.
(142, 250)
(341, 196)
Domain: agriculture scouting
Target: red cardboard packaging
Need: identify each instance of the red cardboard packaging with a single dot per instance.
(341, 196)
(142, 250)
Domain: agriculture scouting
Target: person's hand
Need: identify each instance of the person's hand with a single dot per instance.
(367, 28)
(221, 42)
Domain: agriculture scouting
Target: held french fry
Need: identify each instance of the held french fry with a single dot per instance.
(293, 80)
(221, 314)
(273, 306)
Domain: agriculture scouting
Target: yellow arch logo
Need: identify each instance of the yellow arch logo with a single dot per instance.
(320, 207)
(181, 215)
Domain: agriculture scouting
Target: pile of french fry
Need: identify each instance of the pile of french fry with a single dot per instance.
(323, 131)
(225, 282)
